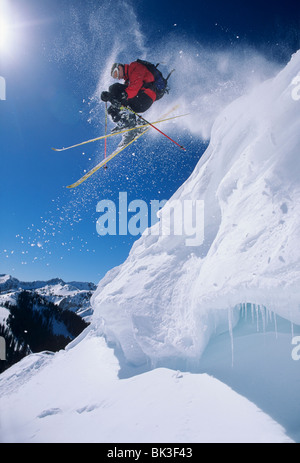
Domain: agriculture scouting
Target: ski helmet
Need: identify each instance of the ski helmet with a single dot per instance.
(115, 68)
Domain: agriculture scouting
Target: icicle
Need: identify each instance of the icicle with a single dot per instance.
(275, 322)
(230, 324)
(269, 316)
(244, 311)
(215, 324)
(263, 314)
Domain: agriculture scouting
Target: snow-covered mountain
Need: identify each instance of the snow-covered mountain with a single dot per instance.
(74, 296)
(226, 310)
(41, 315)
(7, 283)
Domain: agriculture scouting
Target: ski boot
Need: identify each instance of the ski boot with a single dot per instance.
(124, 120)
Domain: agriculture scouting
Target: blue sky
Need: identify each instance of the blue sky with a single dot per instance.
(55, 57)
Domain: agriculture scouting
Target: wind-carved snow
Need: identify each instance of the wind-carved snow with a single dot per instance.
(168, 300)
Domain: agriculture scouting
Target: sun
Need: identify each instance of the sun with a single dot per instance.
(5, 27)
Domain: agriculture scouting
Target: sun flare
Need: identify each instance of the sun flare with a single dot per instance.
(5, 27)
(4, 34)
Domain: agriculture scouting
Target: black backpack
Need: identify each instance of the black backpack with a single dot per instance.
(160, 84)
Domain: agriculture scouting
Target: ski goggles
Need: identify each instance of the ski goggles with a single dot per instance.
(115, 69)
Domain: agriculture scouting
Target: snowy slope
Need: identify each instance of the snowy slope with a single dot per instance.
(168, 299)
(79, 398)
(225, 310)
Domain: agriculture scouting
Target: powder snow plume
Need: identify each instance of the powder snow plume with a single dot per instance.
(206, 79)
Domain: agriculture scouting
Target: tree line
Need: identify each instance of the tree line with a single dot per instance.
(31, 327)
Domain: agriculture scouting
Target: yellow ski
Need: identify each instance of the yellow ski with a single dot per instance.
(105, 161)
(112, 155)
(116, 133)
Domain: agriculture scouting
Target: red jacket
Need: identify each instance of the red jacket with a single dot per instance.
(136, 75)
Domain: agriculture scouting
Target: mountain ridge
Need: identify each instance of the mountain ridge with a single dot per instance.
(8, 282)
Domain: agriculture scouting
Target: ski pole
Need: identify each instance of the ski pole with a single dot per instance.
(149, 123)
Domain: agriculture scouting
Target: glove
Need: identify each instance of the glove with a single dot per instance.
(105, 96)
(124, 98)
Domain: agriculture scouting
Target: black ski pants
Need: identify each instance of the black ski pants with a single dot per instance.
(139, 104)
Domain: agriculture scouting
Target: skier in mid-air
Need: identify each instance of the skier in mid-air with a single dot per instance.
(140, 90)
(144, 84)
